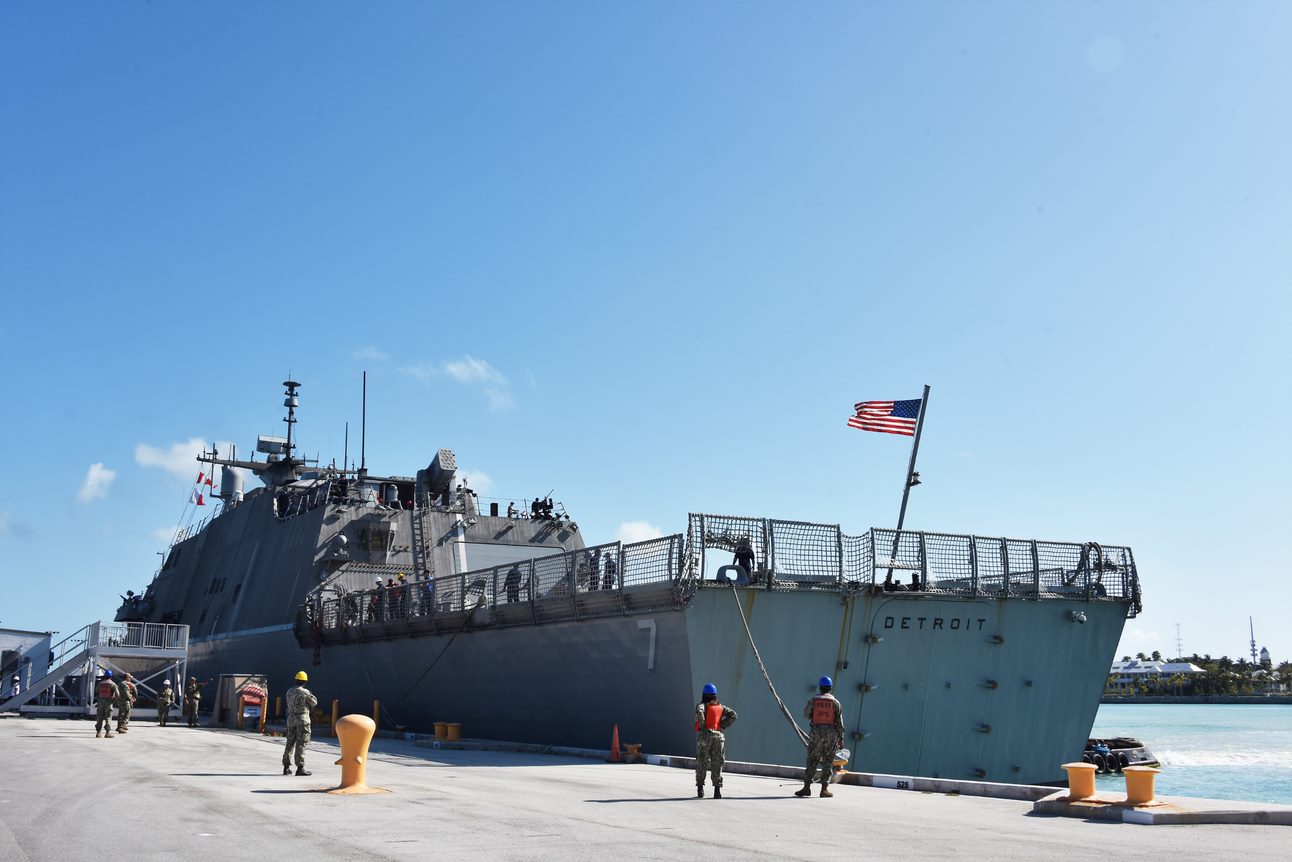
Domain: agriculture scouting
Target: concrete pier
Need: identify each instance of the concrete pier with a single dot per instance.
(178, 793)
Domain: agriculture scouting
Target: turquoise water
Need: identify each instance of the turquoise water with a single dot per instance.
(1216, 751)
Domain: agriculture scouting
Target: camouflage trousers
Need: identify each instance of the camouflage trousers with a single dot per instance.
(710, 755)
(103, 716)
(298, 736)
(123, 715)
(163, 714)
(190, 711)
(822, 745)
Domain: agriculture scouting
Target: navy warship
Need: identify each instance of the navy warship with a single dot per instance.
(955, 656)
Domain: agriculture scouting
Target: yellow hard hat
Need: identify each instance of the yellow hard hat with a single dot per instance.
(302, 676)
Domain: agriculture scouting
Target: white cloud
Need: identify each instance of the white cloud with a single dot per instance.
(422, 371)
(469, 371)
(165, 534)
(98, 479)
(637, 531)
(369, 354)
(477, 480)
(10, 527)
(179, 459)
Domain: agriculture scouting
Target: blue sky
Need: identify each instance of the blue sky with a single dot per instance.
(649, 255)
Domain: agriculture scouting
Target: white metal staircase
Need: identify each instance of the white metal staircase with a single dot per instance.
(99, 644)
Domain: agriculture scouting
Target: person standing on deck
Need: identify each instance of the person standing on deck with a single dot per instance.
(127, 694)
(192, 700)
(299, 703)
(826, 715)
(711, 719)
(165, 700)
(106, 695)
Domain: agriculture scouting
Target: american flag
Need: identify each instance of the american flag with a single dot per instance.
(891, 417)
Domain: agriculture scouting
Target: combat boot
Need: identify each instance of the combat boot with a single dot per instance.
(107, 734)
(98, 733)
(287, 770)
(806, 791)
(301, 770)
(717, 793)
(699, 791)
(825, 792)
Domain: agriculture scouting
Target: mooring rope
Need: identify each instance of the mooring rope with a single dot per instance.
(803, 737)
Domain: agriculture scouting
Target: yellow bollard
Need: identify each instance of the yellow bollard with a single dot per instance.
(441, 730)
(1081, 780)
(1139, 784)
(355, 734)
(455, 731)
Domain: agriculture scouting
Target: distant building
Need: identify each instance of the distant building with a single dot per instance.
(1265, 658)
(1128, 674)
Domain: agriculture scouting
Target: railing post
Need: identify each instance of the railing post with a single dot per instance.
(769, 543)
(838, 547)
(1004, 568)
(1036, 571)
(924, 563)
(973, 565)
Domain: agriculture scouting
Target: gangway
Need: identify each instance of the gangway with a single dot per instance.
(150, 652)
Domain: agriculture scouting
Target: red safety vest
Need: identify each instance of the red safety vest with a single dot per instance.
(107, 691)
(823, 711)
(712, 717)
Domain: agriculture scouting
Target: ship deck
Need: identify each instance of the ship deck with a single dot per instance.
(209, 794)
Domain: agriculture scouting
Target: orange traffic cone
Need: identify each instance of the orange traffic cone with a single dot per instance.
(614, 747)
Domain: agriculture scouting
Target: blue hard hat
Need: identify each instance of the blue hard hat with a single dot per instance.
(710, 688)
(826, 682)
(107, 673)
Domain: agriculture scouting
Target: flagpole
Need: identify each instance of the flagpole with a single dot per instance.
(910, 473)
(915, 448)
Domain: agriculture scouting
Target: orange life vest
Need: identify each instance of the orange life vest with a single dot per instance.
(823, 710)
(712, 717)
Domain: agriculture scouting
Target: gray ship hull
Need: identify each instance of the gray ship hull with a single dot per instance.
(938, 686)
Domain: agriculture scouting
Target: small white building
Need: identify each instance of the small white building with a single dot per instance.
(1137, 671)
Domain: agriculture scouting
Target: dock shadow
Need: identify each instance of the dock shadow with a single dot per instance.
(684, 799)
(220, 774)
(306, 790)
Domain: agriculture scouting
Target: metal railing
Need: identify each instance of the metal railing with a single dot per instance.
(602, 580)
(616, 579)
(800, 555)
(142, 635)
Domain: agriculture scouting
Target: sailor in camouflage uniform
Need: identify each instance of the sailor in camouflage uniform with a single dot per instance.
(826, 716)
(711, 719)
(106, 695)
(192, 700)
(127, 693)
(165, 700)
(299, 703)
